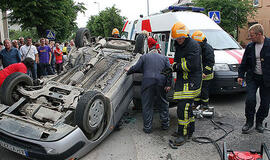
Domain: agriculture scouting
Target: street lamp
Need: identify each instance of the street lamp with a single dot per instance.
(98, 6)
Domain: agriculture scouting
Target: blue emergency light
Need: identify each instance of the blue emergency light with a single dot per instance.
(186, 8)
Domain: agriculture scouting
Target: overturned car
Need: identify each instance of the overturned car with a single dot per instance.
(68, 114)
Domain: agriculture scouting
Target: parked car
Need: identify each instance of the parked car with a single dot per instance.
(67, 115)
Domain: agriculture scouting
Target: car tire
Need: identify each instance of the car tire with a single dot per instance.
(90, 111)
(82, 37)
(118, 44)
(10, 84)
(141, 44)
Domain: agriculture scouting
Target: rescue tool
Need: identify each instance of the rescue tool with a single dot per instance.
(263, 154)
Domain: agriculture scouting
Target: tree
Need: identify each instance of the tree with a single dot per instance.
(103, 23)
(58, 15)
(234, 13)
(24, 33)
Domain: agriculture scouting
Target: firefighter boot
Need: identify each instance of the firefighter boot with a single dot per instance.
(180, 140)
(247, 127)
(259, 127)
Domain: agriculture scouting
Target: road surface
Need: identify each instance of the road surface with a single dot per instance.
(131, 143)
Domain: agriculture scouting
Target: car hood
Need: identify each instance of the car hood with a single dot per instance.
(229, 56)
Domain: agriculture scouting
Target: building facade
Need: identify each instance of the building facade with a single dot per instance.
(262, 16)
(3, 26)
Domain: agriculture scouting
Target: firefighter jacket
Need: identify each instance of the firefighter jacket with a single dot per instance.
(188, 68)
(208, 60)
(249, 62)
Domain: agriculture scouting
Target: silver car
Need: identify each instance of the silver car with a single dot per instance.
(67, 115)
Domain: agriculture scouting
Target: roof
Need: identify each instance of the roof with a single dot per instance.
(193, 20)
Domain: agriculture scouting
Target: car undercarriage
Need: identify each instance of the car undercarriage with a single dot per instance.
(88, 98)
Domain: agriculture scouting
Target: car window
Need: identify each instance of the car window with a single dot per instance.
(218, 39)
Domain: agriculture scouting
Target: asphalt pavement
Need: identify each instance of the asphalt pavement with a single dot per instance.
(131, 143)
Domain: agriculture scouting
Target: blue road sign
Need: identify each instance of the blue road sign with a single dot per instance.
(215, 16)
(50, 35)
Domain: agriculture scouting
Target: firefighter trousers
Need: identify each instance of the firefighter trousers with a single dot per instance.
(186, 120)
(203, 99)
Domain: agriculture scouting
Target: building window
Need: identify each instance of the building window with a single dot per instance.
(255, 2)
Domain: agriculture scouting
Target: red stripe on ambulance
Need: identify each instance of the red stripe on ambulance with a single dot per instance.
(239, 53)
(124, 26)
(236, 56)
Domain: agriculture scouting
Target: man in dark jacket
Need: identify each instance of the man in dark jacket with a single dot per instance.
(256, 65)
(208, 61)
(154, 84)
(9, 55)
(187, 65)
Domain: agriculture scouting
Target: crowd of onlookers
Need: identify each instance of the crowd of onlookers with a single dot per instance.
(48, 56)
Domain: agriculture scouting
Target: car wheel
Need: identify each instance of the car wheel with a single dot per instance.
(90, 111)
(141, 44)
(118, 44)
(82, 37)
(9, 93)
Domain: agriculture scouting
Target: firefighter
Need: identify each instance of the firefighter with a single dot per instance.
(208, 61)
(187, 65)
(115, 33)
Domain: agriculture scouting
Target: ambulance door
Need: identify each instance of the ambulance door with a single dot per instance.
(170, 50)
(162, 41)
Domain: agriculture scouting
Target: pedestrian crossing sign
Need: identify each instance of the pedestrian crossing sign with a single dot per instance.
(50, 35)
(215, 16)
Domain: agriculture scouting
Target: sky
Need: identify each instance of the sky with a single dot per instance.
(129, 8)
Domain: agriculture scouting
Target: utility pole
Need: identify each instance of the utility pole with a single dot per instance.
(147, 7)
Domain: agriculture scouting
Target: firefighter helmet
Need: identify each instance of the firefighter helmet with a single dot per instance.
(179, 30)
(115, 31)
(198, 36)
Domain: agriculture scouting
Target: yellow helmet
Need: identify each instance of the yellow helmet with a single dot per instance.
(115, 31)
(198, 36)
(179, 30)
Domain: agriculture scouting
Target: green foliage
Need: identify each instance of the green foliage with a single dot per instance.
(103, 23)
(58, 15)
(234, 13)
(24, 33)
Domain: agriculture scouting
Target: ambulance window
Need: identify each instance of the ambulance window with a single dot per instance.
(163, 38)
(124, 35)
(172, 48)
(219, 39)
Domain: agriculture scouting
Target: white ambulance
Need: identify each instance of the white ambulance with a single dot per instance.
(228, 53)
